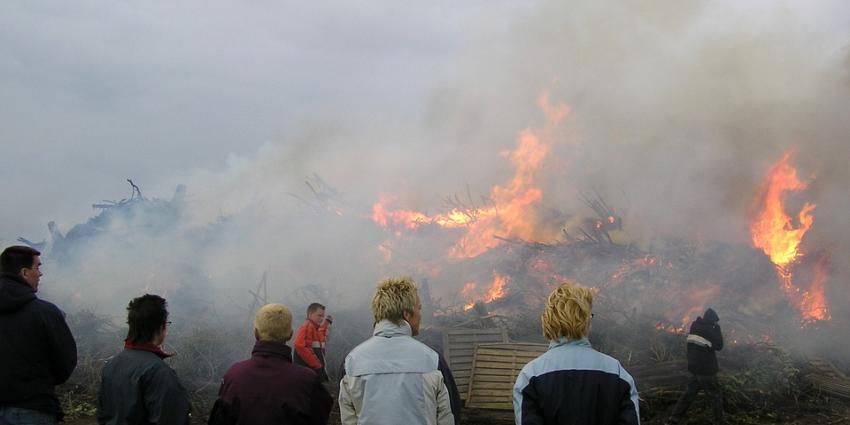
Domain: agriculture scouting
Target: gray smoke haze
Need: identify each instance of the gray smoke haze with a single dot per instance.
(677, 111)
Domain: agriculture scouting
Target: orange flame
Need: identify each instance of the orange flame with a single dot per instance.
(497, 288)
(511, 212)
(813, 304)
(774, 233)
(772, 230)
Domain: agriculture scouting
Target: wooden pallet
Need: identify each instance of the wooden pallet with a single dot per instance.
(494, 371)
(657, 376)
(458, 348)
(825, 377)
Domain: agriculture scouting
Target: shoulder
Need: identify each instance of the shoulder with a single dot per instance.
(47, 309)
(568, 357)
(388, 355)
(237, 369)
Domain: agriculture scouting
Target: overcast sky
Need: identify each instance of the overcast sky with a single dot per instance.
(94, 92)
(97, 91)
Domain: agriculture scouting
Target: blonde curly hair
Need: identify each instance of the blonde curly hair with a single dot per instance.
(393, 297)
(273, 322)
(567, 312)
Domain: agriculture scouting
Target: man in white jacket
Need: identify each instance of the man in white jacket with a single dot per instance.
(391, 378)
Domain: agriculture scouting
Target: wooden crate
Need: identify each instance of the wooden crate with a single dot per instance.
(494, 371)
(458, 348)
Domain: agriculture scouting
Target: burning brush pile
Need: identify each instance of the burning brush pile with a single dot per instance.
(505, 257)
(492, 262)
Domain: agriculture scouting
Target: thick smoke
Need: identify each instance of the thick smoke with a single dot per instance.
(677, 109)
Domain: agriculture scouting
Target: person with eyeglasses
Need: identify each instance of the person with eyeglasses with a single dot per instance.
(572, 383)
(37, 350)
(137, 386)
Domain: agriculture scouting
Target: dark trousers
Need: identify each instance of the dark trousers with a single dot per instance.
(322, 372)
(707, 383)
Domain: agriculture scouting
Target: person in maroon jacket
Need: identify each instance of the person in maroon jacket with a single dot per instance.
(268, 388)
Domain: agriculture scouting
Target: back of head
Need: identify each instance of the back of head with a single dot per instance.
(711, 316)
(146, 315)
(313, 307)
(393, 297)
(567, 312)
(15, 258)
(273, 323)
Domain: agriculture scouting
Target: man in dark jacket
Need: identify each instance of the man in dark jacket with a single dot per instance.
(136, 386)
(37, 350)
(268, 388)
(704, 340)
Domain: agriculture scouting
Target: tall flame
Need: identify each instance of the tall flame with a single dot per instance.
(813, 305)
(775, 234)
(772, 230)
(511, 210)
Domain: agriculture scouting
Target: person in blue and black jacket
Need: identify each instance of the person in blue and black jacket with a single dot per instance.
(572, 383)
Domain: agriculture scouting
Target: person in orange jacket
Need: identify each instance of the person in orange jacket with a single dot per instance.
(310, 340)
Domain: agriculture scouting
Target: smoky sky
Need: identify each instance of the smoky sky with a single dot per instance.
(96, 92)
(677, 109)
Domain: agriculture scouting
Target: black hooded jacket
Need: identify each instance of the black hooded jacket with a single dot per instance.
(37, 350)
(702, 359)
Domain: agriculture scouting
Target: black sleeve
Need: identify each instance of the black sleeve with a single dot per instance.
(531, 413)
(628, 410)
(320, 403)
(718, 338)
(449, 380)
(63, 348)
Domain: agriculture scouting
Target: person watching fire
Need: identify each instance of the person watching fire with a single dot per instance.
(391, 378)
(310, 340)
(136, 385)
(37, 350)
(704, 340)
(268, 389)
(572, 383)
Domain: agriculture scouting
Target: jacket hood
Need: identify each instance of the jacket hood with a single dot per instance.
(14, 293)
(711, 316)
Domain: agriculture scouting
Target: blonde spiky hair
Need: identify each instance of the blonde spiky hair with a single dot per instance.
(393, 297)
(273, 322)
(567, 312)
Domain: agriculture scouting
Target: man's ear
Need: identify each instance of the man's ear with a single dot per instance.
(406, 315)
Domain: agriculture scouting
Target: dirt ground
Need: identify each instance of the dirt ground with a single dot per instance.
(832, 412)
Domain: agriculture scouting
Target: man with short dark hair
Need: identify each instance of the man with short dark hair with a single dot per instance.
(268, 389)
(310, 340)
(136, 386)
(37, 350)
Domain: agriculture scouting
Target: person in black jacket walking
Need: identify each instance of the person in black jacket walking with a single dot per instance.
(136, 386)
(37, 350)
(704, 340)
